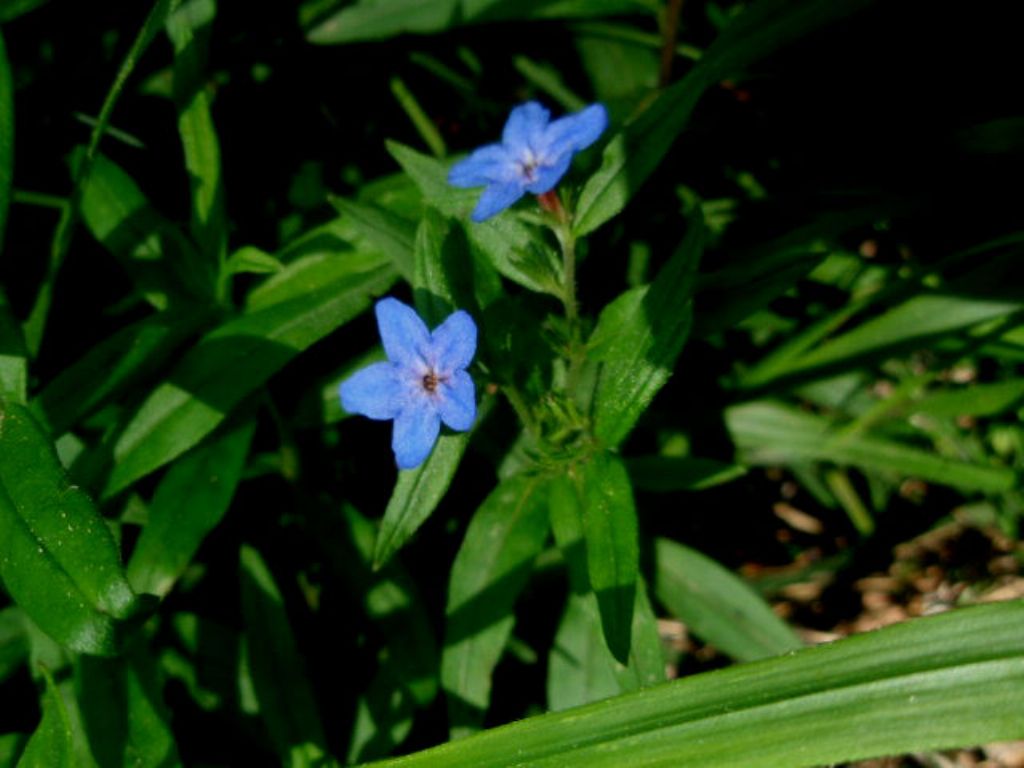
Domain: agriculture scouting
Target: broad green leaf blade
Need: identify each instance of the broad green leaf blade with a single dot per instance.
(940, 682)
(636, 151)
(315, 269)
(613, 550)
(638, 338)
(282, 688)
(151, 250)
(663, 474)
(513, 248)
(375, 20)
(582, 670)
(13, 355)
(13, 642)
(718, 606)
(772, 433)
(583, 666)
(53, 743)
(505, 536)
(578, 668)
(417, 493)
(6, 138)
(189, 29)
(123, 712)
(189, 503)
(59, 562)
(115, 365)
(392, 234)
(227, 365)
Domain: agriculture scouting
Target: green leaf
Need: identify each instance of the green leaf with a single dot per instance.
(496, 558)
(251, 260)
(636, 151)
(638, 338)
(122, 710)
(13, 642)
(286, 702)
(316, 269)
(13, 355)
(6, 136)
(158, 259)
(718, 606)
(940, 682)
(417, 493)
(53, 743)
(447, 276)
(584, 668)
(115, 366)
(188, 27)
(513, 248)
(916, 322)
(972, 400)
(393, 235)
(227, 365)
(376, 20)
(663, 474)
(613, 555)
(579, 671)
(189, 503)
(59, 562)
(772, 433)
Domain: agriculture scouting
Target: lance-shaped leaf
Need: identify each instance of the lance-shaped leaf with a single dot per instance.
(188, 27)
(612, 545)
(638, 338)
(189, 502)
(228, 364)
(934, 683)
(718, 606)
(768, 432)
(53, 743)
(59, 561)
(493, 564)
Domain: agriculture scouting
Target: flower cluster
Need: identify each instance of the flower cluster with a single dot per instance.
(423, 382)
(533, 155)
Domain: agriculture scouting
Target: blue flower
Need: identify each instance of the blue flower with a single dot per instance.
(423, 383)
(533, 155)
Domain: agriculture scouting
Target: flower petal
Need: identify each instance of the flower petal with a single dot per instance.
(547, 176)
(525, 127)
(457, 402)
(416, 430)
(453, 342)
(574, 132)
(486, 165)
(374, 391)
(495, 199)
(403, 334)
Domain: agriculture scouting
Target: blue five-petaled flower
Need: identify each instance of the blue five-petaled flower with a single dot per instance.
(533, 155)
(423, 382)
